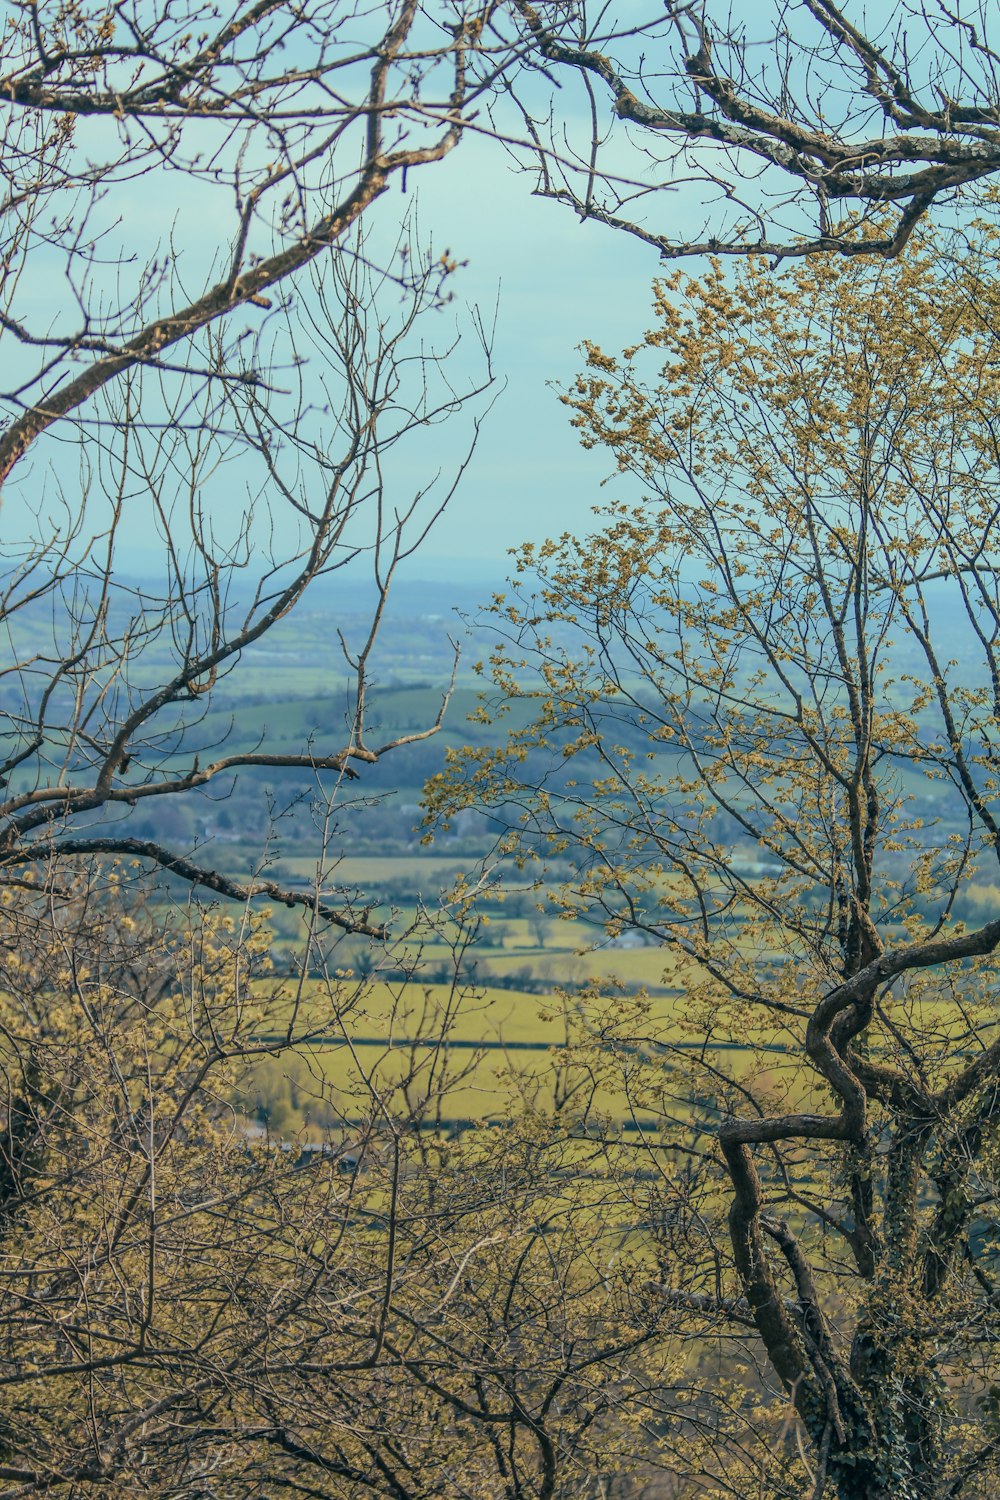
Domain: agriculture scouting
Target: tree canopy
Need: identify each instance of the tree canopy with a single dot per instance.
(763, 722)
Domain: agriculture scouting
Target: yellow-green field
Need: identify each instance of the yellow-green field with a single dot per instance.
(546, 1009)
(435, 1051)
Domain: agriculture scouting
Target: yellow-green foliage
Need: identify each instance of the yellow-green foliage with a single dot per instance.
(183, 1294)
(756, 717)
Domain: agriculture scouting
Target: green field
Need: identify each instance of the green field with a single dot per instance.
(428, 872)
(473, 1054)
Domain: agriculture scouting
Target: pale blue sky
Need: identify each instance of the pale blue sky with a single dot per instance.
(552, 282)
(556, 282)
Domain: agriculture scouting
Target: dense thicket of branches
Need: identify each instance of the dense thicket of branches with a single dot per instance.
(191, 1307)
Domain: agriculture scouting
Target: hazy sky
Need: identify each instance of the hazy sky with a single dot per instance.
(551, 282)
(556, 281)
(548, 280)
